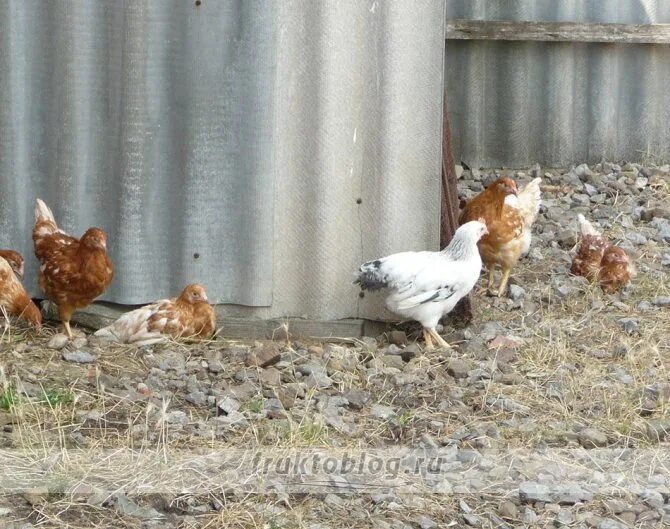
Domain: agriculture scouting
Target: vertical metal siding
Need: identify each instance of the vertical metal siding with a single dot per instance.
(244, 131)
(516, 103)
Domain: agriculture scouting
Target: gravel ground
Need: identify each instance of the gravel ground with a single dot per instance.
(551, 412)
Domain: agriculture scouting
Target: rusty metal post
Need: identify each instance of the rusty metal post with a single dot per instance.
(449, 210)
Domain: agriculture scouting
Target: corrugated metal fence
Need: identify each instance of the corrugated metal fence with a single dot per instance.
(267, 148)
(516, 103)
(280, 142)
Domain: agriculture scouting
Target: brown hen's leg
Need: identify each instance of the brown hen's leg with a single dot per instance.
(491, 275)
(503, 282)
(65, 314)
(428, 339)
(440, 341)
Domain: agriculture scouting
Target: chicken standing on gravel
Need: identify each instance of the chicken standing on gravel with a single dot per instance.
(74, 271)
(427, 285)
(598, 260)
(509, 215)
(188, 316)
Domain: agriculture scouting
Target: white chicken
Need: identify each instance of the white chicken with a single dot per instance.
(427, 285)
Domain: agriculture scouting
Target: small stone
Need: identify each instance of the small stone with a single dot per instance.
(653, 498)
(315, 366)
(79, 342)
(636, 238)
(661, 301)
(628, 518)
(641, 182)
(508, 510)
(270, 377)
(530, 491)
(264, 356)
(427, 523)
(665, 259)
(393, 361)
(128, 507)
(357, 398)
(490, 330)
(318, 381)
(315, 350)
(647, 516)
(58, 341)
(529, 516)
(4, 511)
(176, 417)
(508, 342)
(658, 429)
(382, 412)
(564, 517)
(590, 190)
(215, 366)
(398, 337)
(566, 238)
(644, 306)
(79, 357)
(472, 520)
(629, 325)
(458, 368)
(592, 438)
(516, 292)
(198, 398)
(507, 404)
(228, 405)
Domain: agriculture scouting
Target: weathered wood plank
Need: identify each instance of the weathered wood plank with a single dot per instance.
(458, 29)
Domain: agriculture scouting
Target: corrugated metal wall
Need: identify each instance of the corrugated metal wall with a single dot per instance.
(516, 103)
(243, 131)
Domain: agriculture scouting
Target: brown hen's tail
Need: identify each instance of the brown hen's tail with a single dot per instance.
(45, 223)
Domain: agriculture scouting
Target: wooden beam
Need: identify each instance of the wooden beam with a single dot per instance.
(557, 31)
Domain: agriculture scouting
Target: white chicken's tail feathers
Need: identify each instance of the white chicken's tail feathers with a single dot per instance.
(586, 227)
(42, 212)
(370, 277)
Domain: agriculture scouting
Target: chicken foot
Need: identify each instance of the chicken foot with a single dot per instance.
(427, 339)
(503, 282)
(441, 342)
(68, 331)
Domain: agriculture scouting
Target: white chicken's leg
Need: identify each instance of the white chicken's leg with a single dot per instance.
(440, 341)
(428, 339)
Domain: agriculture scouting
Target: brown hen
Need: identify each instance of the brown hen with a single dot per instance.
(616, 270)
(15, 260)
(586, 262)
(509, 215)
(74, 271)
(598, 260)
(13, 297)
(188, 316)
